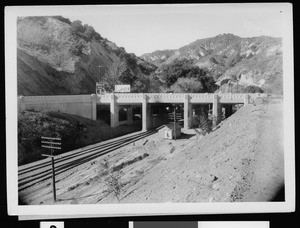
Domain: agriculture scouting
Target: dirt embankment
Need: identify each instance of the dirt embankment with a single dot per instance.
(240, 161)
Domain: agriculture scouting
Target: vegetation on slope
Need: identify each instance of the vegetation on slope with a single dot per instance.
(75, 132)
(184, 76)
(253, 61)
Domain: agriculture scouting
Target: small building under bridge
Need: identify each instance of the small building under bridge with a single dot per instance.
(149, 109)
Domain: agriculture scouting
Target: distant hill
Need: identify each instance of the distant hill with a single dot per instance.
(57, 56)
(231, 59)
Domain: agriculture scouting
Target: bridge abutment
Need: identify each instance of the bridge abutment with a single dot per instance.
(246, 99)
(94, 107)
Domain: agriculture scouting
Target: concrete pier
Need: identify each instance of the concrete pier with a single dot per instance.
(187, 113)
(217, 110)
(114, 111)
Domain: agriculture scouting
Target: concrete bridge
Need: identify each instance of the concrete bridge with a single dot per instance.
(148, 106)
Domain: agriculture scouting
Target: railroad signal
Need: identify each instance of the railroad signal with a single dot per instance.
(52, 144)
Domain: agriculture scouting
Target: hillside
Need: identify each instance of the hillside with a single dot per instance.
(253, 61)
(57, 56)
(242, 160)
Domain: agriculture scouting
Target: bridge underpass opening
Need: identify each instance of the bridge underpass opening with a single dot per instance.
(229, 109)
(130, 115)
(125, 115)
(162, 113)
(204, 112)
(201, 112)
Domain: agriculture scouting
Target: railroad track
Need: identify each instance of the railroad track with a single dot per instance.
(35, 172)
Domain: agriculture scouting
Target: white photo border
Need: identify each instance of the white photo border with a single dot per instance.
(108, 210)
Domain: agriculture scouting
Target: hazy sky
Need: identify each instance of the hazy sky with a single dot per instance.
(142, 29)
(146, 28)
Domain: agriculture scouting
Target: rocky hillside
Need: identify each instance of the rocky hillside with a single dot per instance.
(57, 56)
(232, 60)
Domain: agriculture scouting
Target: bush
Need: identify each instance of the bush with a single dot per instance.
(127, 77)
(89, 32)
(33, 125)
(63, 19)
(77, 48)
(174, 73)
(253, 89)
(187, 85)
(77, 27)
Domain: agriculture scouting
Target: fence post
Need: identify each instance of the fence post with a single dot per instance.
(53, 175)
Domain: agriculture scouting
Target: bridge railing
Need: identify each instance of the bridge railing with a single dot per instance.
(175, 97)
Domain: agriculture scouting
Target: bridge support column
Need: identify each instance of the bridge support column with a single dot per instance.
(114, 112)
(94, 107)
(246, 99)
(145, 109)
(129, 115)
(217, 110)
(187, 113)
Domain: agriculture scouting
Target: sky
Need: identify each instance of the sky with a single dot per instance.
(146, 28)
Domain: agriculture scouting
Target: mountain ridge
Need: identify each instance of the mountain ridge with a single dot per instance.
(232, 58)
(56, 56)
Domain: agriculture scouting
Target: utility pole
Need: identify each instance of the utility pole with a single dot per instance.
(51, 143)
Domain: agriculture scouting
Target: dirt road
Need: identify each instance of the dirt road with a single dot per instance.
(240, 161)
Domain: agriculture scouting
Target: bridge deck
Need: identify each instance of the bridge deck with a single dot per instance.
(193, 98)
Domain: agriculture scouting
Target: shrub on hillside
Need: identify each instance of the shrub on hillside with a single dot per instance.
(77, 27)
(33, 125)
(187, 85)
(173, 73)
(253, 89)
(63, 19)
(178, 69)
(76, 48)
(127, 77)
(146, 68)
(89, 32)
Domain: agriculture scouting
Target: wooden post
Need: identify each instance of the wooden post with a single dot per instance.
(53, 175)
